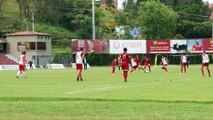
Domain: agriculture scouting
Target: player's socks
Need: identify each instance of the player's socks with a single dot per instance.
(77, 78)
(17, 75)
(24, 74)
(113, 71)
(125, 76)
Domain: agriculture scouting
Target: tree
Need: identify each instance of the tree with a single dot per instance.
(156, 20)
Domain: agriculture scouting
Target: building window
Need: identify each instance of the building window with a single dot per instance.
(41, 46)
(25, 46)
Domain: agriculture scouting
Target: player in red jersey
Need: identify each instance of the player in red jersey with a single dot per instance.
(113, 65)
(183, 63)
(147, 62)
(22, 65)
(138, 61)
(79, 63)
(205, 63)
(125, 63)
(164, 62)
(197, 46)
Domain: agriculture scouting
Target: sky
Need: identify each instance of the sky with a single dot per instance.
(210, 1)
(121, 1)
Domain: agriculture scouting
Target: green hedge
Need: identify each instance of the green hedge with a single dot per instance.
(106, 59)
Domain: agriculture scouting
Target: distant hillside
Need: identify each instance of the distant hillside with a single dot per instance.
(11, 9)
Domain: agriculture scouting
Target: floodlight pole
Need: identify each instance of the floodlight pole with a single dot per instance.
(212, 28)
(93, 20)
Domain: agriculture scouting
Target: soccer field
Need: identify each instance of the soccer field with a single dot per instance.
(55, 94)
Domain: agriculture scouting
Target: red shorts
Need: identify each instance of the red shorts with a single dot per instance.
(183, 64)
(22, 67)
(79, 66)
(146, 64)
(125, 67)
(205, 64)
(164, 65)
(136, 66)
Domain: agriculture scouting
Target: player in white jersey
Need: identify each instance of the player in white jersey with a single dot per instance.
(79, 63)
(205, 63)
(183, 63)
(134, 64)
(164, 62)
(22, 65)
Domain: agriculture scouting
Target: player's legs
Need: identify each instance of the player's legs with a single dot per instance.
(113, 70)
(202, 71)
(184, 68)
(164, 68)
(125, 72)
(144, 67)
(24, 71)
(80, 74)
(21, 68)
(125, 75)
(18, 73)
(134, 68)
(181, 69)
(149, 67)
(208, 71)
(79, 68)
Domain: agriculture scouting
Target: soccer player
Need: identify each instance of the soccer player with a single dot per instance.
(138, 61)
(205, 63)
(183, 63)
(125, 63)
(79, 63)
(113, 65)
(134, 64)
(22, 65)
(188, 61)
(146, 63)
(164, 62)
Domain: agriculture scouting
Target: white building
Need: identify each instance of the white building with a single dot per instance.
(37, 46)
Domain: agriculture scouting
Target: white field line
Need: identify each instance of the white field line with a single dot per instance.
(93, 89)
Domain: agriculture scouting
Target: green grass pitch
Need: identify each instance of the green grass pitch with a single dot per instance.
(55, 94)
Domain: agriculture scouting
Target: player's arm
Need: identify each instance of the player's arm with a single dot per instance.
(82, 55)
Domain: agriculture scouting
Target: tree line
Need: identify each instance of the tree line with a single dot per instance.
(67, 19)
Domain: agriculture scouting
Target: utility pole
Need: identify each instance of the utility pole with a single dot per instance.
(33, 19)
(93, 20)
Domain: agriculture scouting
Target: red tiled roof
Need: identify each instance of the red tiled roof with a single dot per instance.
(26, 33)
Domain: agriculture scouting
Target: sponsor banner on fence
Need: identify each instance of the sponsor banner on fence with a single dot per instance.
(90, 46)
(195, 46)
(208, 45)
(133, 46)
(178, 46)
(158, 46)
